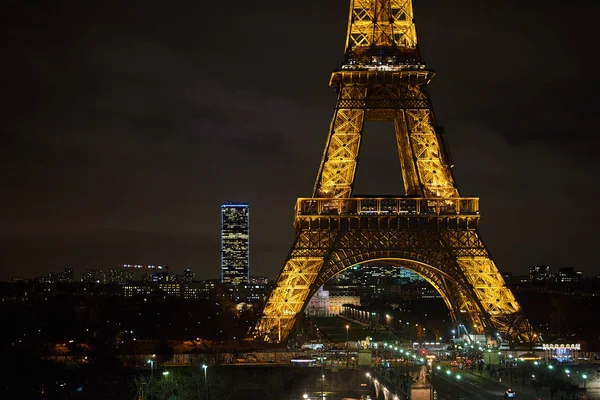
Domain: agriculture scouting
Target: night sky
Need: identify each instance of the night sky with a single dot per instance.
(126, 123)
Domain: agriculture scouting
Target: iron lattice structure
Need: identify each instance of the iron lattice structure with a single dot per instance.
(432, 230)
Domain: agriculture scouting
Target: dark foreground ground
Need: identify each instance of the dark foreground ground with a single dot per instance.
(47, 380)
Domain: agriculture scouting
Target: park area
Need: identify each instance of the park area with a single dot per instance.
(333, 329)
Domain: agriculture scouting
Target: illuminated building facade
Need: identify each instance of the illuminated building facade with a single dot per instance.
(246, 293)
(539, 273)
(326, 305)
(120, 276)
(189, 276)
(195, 290)
(259, 280)
(94, 276)
(235, 243)
(199, 290)
(568, 275)
(374, 273)
(64, 276)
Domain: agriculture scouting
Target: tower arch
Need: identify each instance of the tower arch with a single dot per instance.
(462, 305)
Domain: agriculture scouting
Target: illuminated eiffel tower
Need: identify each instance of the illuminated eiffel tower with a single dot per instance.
(432, 230)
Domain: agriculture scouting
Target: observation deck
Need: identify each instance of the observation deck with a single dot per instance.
(399, 212)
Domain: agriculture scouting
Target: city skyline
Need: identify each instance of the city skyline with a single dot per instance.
(119, 149)
(554, 272)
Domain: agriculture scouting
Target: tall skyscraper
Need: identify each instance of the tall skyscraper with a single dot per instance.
(235, 243)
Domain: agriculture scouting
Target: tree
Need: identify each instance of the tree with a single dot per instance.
(437, 334)
(180, 385)
(164, 352)
(142, 388)
(420, 333)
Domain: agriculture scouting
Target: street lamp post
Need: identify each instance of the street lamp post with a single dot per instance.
(205, 367)
(151, 362)
(550, 368)
(166, 375)
(510, 368)
(458, 377)
(584, 376)
(401, 362)
(347, 347)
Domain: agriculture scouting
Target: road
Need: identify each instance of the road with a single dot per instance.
(471, 387)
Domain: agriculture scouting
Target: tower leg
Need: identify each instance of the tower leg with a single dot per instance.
(496, 300)
(338, 165)
(288, 298)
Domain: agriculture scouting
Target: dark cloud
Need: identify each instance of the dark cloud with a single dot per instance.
(126, 124)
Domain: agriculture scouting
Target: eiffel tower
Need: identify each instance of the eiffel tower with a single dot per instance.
(431, 230)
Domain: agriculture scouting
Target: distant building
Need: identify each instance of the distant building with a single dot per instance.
(426, 291)
(199, 290)
(150, 271)
(66, 275)
(138, 289)
(259, 280)
(568, 275)
(149, 277)
(119, 276)
(380, 281)
(188, 276)
(374, 272)
(539, 273)
(246, 293)
(336, 302)
(165, 277)
(318, 305)
(508, 277)
(235, 243)
(324, 304)
(94, 276)
(170, 289)
(42, 279)
(521, 279)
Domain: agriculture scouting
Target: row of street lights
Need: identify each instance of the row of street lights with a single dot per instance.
(406, 353)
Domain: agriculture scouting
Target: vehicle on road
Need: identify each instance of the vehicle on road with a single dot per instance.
(509, 394)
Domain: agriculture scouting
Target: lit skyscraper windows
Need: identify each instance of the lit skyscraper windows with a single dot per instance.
(235, 243)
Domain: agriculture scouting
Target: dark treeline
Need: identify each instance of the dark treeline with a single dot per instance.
(96, 323)
(562, 316)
